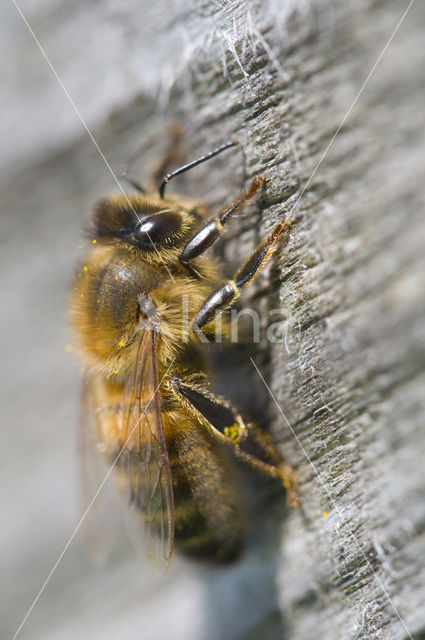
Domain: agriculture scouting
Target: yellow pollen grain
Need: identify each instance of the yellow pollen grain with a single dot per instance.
(86, 269)
(124, 264)
(82, 295)
(94, 241)
(232, 432)
(325, 513)
(116, 277)
(98, 300)
(115, 371)
(121, 344)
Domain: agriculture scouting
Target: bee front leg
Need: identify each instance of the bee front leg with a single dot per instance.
(249, 443)
(212, 230)
(170, 158)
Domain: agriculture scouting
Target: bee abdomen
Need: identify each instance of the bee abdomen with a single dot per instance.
(209, 516)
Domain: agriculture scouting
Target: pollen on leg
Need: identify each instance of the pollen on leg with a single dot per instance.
(290, 483)
(233, 432)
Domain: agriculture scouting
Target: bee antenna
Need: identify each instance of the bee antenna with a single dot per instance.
(192, 164)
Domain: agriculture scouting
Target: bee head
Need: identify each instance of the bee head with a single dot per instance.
(138, 221)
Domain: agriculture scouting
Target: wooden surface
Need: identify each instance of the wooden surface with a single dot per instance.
(349, 372)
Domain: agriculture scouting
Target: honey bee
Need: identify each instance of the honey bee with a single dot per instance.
(146, 296)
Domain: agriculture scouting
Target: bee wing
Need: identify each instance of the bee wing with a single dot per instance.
(144, 454)
(97, 493)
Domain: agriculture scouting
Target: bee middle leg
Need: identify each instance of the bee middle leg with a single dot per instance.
(250, 444)
(229, 292)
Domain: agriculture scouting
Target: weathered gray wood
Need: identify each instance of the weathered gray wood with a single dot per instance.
(350, 281)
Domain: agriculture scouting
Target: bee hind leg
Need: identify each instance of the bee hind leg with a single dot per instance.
(250, 444)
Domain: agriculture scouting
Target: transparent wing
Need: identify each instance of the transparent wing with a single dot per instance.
(97, 493)
(144, 460)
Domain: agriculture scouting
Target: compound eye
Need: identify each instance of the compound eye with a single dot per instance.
(160, 228)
